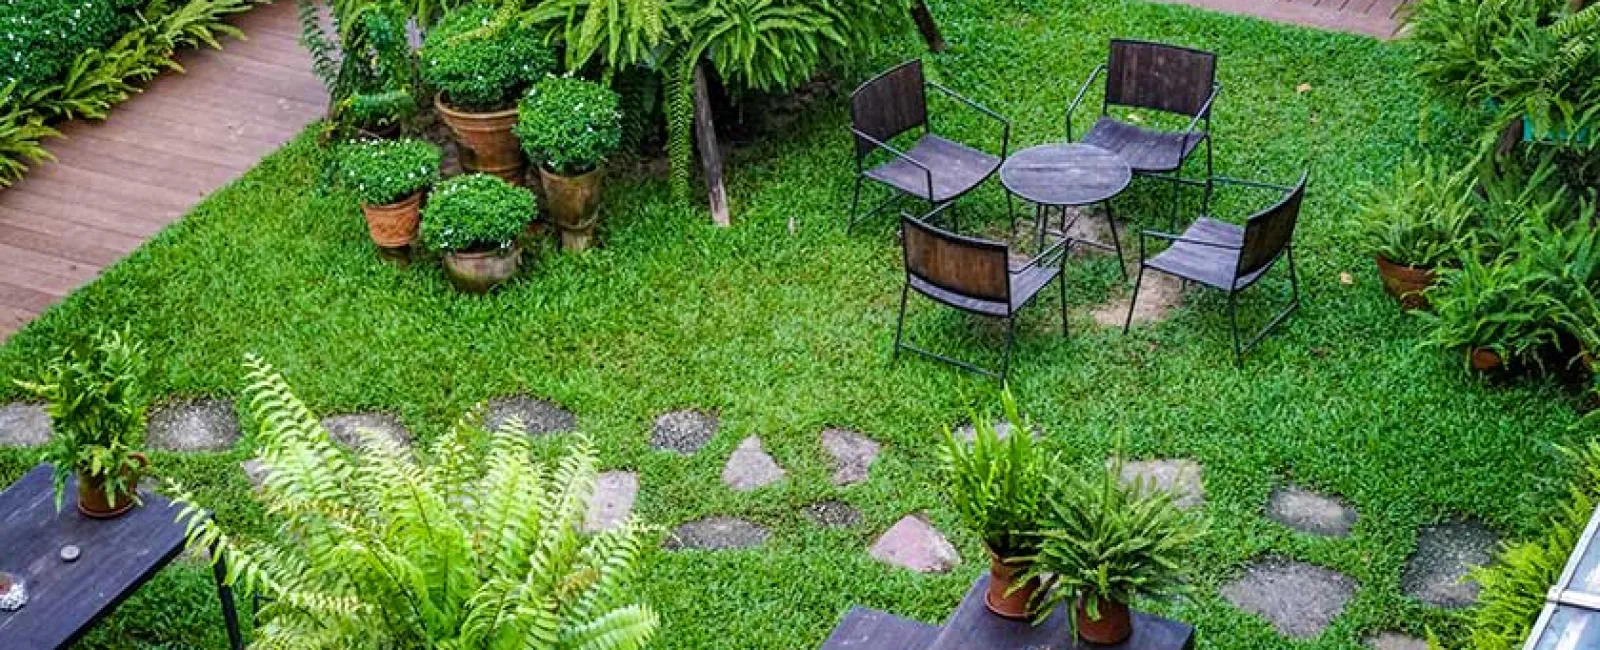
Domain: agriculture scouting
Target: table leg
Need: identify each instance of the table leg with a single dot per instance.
(230, 615)
(1116, 242)
(1041, 220)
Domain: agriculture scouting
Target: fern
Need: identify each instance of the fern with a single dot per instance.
(22, 133)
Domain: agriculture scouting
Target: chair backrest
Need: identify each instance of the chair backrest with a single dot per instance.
(889, 104)
(1269, 232)
(1161, 77)
(967, 266)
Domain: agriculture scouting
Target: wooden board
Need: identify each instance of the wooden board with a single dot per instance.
(1375, 18)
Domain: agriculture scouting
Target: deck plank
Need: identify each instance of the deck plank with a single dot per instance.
(1375, 18)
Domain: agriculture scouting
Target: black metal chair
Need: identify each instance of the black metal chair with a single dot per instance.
(1230, 257)
(1163, 78)
(935, 169)
(976, 276)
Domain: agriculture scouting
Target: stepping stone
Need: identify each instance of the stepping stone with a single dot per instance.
(833, 514)
(346, 429)
(1159, 295)
(852, 454)
(750, 468)
(1177, 475)
(915, 544)
(255, 472)
(1002, 429)
(196, 425)
(24, 425)
(1396, 641)
(717, 534)
(1437, 572)
(614, 494)
(538, 417)
(1309, 512)
(1299, 599)
(684, 432)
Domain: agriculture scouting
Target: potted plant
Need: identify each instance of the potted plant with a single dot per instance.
(480, 62)
(389, 177)
(474, 221)
(97, 408)
(1413, 226)
(569, 126)
(1494, 312)
(997, 486)
(1105, 543)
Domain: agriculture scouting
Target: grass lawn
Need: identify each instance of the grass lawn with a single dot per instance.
(785, 331)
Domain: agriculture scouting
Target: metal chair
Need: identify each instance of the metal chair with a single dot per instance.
(975, 276)
(1162, 78)
(935, 169)
(1230, 257)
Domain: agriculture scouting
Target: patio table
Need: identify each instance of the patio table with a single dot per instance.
(1057, 176)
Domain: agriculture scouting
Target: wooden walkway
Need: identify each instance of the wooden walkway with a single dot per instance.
(1376, 18)
(118, 182)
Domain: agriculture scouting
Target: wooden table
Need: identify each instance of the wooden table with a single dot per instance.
(118, 555)
(1062, 175)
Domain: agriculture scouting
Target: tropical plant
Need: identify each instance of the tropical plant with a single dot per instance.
(22, 133)
(381, 172)
(1495, 305)
(482, 61)
(475, 211)
(96, 406)
(1421, 217)
(618, 33)
(997, 486)
(569, 124)
(479, 547)
(366, 64)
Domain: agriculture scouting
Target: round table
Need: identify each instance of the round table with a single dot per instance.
(1063, 175)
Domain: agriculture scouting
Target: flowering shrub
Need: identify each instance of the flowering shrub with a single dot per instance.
(40, 38)
(386, 171)
(475, 211)
(481, 65)
(569, 124)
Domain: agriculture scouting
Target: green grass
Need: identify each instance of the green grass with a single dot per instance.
(786, 334)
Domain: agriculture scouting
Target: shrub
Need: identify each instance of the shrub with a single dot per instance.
(39, 39)
(1420, 218)
(366, 64)
(1495, 305)
(381, 172)
(569, 124)
(481, 62)
(475, 211)
(997, 485)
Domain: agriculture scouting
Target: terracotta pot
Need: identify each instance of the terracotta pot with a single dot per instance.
(394, 225)
(478, 271)
(1485, 360)
(1001, 577)
(93, 499)
(1406, 283)
(1113, 627)
(488, 145)
(574, 204)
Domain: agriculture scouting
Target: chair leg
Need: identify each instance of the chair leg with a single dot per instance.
(1011, 213)
(900, 323)
(1211, 175)
(1116, 241)
(1294, 279)
(1177, 197)
(1011, 335)
(1134, 301)
(855, 204)
(1233, 321)
(1061, 281)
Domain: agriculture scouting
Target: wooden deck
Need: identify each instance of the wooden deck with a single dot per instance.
(118, 182)
(1376, 18)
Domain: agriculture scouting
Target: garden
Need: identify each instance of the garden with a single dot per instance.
(563, 331)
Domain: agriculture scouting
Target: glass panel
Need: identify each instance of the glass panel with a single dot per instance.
(1587, 578)
(1571, 628)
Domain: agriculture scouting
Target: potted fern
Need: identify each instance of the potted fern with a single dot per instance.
(1415, 225)
(97, 409)
(389, 177)
(569, 126)
(474, 221)
(1495, 313)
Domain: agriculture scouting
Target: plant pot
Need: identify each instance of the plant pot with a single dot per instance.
(478, 271)
(1113, 627)
(1485, 360)
(394, 225)
(574, 204)
(487, 143)
(93, 499)
(1406, 283)
(1001, 577)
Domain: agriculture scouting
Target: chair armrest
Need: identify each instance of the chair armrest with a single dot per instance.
(1055, 251)
(1183, 240)
(1005, 138)
(1073, 107)
(1205, 110)
(898, 154)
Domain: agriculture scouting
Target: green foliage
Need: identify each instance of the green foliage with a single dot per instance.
(39, 39)
(569, 124)
(475, 211)
(476, 548)
(482, 61)
(1494, 305)
(22, 133)
(381, 172)
(997, 485)
(1420, 218)
(366, 64)
(619, 33)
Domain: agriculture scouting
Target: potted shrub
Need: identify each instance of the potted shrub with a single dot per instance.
(1106, 543)
(569, 126)
(474, 221)
(480, 63)
(1413, 226)
(997, 486)
(97, 408)
(1493, 312)
(389, 177)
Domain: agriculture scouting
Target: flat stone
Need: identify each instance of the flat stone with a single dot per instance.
(684, 432)
(195, 425)
(717, 534)
(915, 544)
(1177, 475)
(1309, 512)
(852, 454)
(1299, 599)
(1002, 430)
(346, 429)
(24, 425)
(1396, 641)
(833, 514)
(1159, 295)
(255, 472)
(1437, 573)
(538, 417)
(614, 494)
(750, 468)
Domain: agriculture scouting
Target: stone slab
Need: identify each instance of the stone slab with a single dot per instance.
(346, 429)
(749, 468)
(914, 544)
(833, 514)
(1437, 572)
(717, 534)
(194, 425)
(684, 431)
(1179, 475)
(852, 453)
(1297, 598)
(24, 424)
(612, 503)
(538, 417)
(1310, 512)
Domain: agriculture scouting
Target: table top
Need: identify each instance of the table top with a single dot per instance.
(66, 599)
(1065, 174)
(973, 627)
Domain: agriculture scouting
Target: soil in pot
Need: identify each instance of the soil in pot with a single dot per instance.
(1114, 625)
(574, 204)
(93, 499)
(481, 269)
(487, 143)
(394, 225)
(1001, 577)
(1406, 283)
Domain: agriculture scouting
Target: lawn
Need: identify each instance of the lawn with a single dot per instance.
(783, 326)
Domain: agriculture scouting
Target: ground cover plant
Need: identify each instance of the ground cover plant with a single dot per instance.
(782, 326)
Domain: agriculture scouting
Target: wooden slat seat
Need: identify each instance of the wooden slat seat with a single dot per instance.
(1210, 265)
(1145, 150)
(956, 169)
(1024, 286)
(870, 629)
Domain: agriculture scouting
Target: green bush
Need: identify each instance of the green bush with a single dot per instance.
(475, 211)
(1420, 218)
(998, 486)
(482, 63)
(1496, 305)
(568, 124)
(381, 172)
(39, 39)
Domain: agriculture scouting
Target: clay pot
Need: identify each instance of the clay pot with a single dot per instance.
(1001, 577)
(1406, 283)
(1113, 627)
(394, 225)
(1484, 359)
(574, 204)
(478, 271)
(93, 499)
(487, 143)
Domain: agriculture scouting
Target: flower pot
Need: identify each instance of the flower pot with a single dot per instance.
(488, 145)
(93, 499)
(1484, 359)
(1114, 625)
(478, 271)
(574, 204)
(1001, 577)
(394, 225)
(1406, 283)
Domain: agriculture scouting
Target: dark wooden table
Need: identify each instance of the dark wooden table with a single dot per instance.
(1056, 176)
(118, 555)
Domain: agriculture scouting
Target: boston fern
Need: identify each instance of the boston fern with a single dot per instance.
(381, 172)
(568, 124)
(1420, 217)
(1497, 305)
(475, 211)
(997, 485)
(478, 547)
